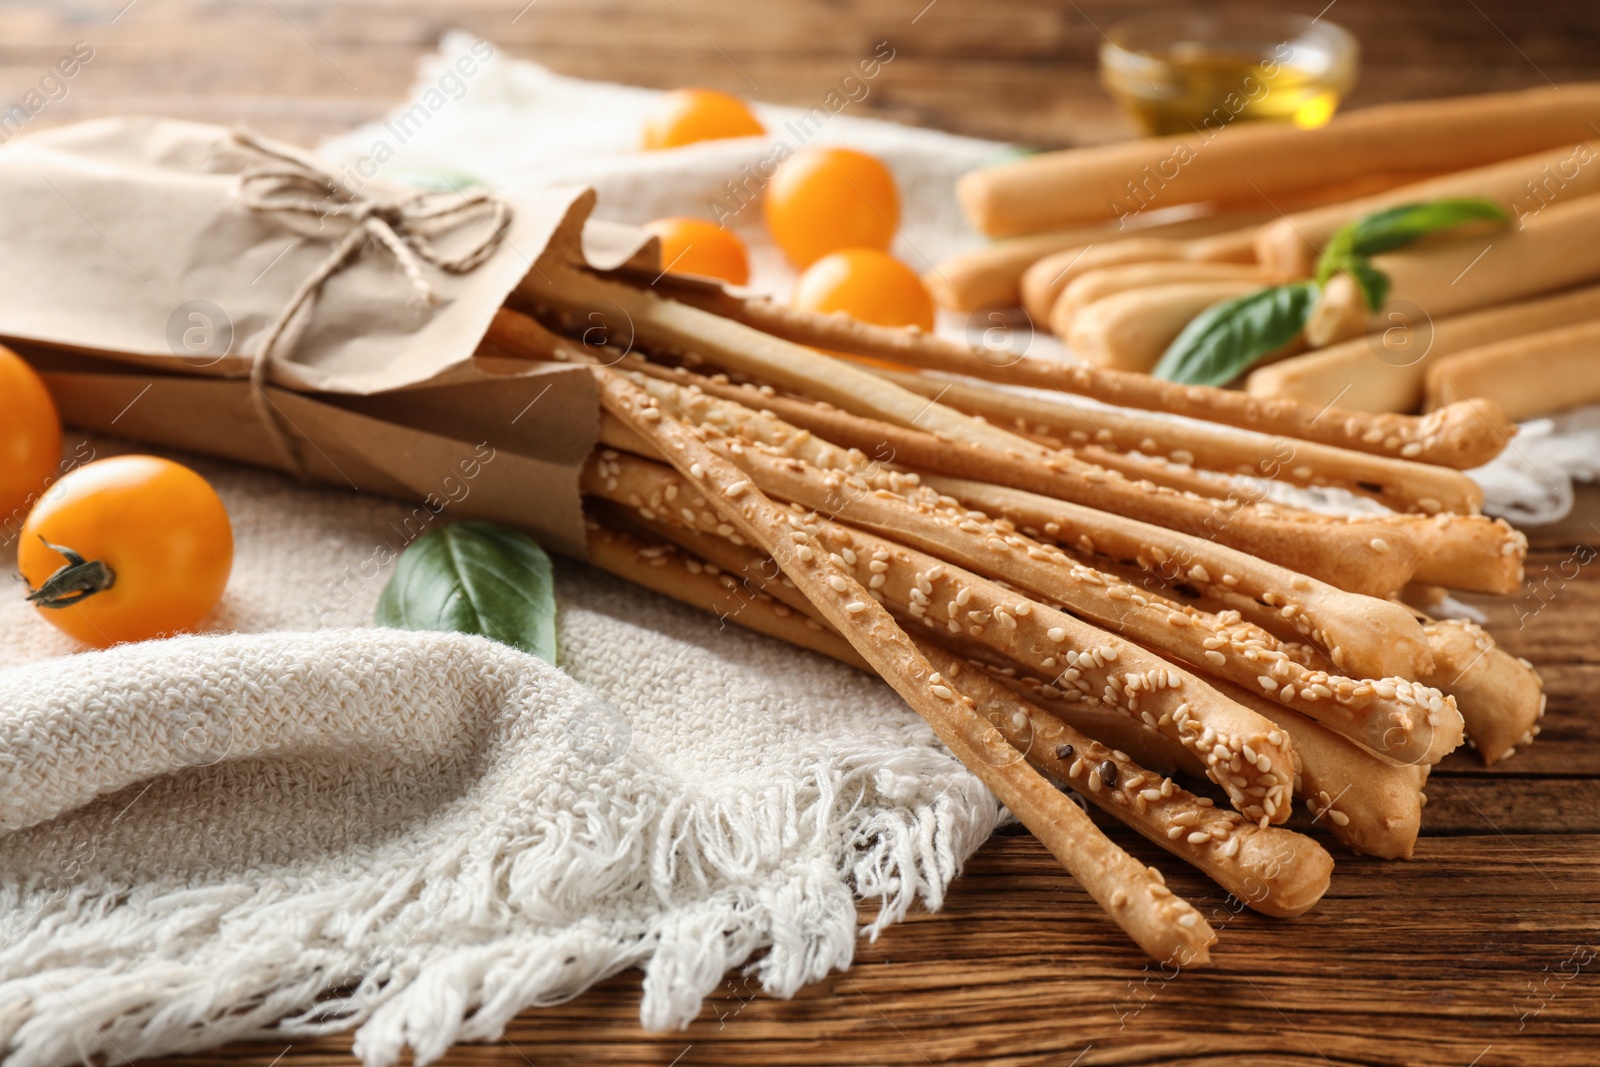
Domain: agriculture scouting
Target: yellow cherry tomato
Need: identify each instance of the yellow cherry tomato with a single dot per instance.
(30, 438)
(868, 285)
(685, 116)
(822, 200)
(127, 549)
(695, 246)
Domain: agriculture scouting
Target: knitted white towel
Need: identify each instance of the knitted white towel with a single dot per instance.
(205, 836)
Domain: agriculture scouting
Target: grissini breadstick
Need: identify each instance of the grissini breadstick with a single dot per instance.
(658, 320)
(1528, 376)
(1385, 370)
(1372, 806)
(1557, 248)
(1364, 636)
(1500, 696)
(1399, 484)
(1357, 553)
(1238, 748)
(1166, 927)
(1130, 330)
(1045, 281)
(1240, 856)
(1097, 284)
(1058, 189)
(1337, 551)
(991, 276)
(1288, 247)
(663, 569)
(1461, 436)
(1041, 637)
(1391, 716)
(1471, 552)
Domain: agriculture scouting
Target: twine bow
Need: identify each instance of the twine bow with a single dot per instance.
(306, 196)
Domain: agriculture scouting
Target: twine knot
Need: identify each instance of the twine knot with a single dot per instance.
(307, 197)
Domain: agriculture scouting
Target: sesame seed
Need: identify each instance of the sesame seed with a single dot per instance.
(1064, 752)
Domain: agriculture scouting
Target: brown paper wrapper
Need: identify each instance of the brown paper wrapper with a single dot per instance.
(142, 288)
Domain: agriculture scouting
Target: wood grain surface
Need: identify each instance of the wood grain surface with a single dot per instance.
(1483, 951)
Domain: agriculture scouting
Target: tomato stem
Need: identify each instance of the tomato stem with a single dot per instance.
(76, 581)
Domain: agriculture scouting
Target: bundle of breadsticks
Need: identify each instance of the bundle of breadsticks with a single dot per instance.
(1071, 594)
(1117, 248)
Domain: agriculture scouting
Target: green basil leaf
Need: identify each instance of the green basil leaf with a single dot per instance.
(1385, 231)
(1338, 255)
(1226, 339)
(475, 578)
(1373, 283)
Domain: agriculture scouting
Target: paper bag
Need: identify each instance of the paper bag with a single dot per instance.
(144, 286)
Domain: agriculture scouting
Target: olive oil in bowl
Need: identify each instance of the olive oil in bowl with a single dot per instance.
(1187, 71)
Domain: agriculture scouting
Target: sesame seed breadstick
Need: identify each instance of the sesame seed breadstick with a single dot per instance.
(1163, 925)
(1129, 331)
(663, 569)
(1461, 436)
(1399, 484)
(1366, 636)
(1471, 552)
(660, 321)
(1335, 550)
(1097, 284)
(1392, 716)
(1245, 859)
(1036, 635)
(1239, 855)
(1500, 696)
(1373, 806)
(1045, 281)
(822, 419)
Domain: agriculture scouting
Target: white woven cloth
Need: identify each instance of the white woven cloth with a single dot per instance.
(204, 836)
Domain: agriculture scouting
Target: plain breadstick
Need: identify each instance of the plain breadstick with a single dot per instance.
(1045, 281)
(1461, 436)
(991, 276)
(1399, 484)
(1385, 370)
(1129, 331)
(1240, 856)
(1058, 189)
(1289, 247)
(1452, 274)
(1166, 927)
(1528, 376)
(1085, 289)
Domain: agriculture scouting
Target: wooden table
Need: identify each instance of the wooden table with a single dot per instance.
(1484, 950)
